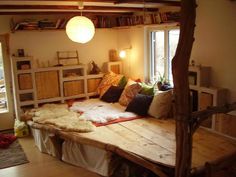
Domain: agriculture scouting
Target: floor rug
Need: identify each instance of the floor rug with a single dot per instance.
(12, 156)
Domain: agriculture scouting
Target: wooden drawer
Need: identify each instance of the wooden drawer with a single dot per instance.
(47, 84)
(72, 88)
(25, 81)
(93, 84)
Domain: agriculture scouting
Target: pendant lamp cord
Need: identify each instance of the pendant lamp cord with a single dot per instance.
(80, 6)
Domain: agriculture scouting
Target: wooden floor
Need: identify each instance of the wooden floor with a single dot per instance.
(150, 140)
(154, 140)
(43, 165)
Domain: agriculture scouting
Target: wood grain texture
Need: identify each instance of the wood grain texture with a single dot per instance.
(47, 84)
(25, 81)
(150, 142)
(73, 87)
(93, 84)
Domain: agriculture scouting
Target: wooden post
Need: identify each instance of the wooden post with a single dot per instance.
(180, 65)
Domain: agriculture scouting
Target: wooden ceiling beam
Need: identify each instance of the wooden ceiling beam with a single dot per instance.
(64, 7)
(163, 2)
(67, 13)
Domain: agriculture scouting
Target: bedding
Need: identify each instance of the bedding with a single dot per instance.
(98, 111)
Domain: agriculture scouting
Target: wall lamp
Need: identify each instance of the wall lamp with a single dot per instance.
(122, 53)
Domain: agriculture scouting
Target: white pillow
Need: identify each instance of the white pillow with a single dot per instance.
(161, 104)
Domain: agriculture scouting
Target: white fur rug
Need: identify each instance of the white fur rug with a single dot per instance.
(98, 111)
(61, 117)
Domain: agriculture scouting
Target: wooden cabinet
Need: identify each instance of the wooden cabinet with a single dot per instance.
(47, 84)
(115, 67)
(34, 86)
(25, 81)
(204, 94)
(72, 88)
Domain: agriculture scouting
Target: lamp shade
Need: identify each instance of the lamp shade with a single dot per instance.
(122, 54)
(80, 29)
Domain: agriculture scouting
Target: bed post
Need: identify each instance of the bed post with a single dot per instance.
(180, 65)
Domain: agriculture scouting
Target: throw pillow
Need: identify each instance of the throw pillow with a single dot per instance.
(132, 88)
(140, 104)
(147, 89)
(161, 104)
(112, 94)
(122, 82)
(107, 81)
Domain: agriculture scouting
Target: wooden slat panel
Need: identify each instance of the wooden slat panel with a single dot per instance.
(226, 124)
(47, 84)
(25, 81)
(93, 84)
(73, 87)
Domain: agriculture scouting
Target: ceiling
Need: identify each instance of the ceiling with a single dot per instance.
(107, 7)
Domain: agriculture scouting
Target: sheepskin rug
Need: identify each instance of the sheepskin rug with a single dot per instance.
(98, 111)
(60, 116)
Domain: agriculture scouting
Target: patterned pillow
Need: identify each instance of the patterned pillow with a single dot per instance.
(132, 88)
(107, 81)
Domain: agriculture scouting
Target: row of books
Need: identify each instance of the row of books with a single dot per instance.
(152, 18)
(100, 21)
(41, 24)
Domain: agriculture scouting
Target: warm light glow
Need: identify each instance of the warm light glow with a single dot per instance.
(122, 54)
(80, 29)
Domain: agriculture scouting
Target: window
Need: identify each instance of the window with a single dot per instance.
(163, 47)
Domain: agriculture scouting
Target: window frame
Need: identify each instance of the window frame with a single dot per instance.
(167, 63)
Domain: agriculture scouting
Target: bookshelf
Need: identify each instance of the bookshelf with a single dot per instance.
(100, 21)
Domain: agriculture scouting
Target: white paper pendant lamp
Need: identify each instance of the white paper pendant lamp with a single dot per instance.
(80, 29)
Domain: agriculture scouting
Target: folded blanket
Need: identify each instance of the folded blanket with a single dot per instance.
(98, 111)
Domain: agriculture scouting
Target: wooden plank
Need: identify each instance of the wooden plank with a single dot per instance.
(152, 141)
(47, 84)
(155, 137)
(25, 81)
(73, 87)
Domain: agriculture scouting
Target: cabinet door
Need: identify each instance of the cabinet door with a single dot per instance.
(72, 88)
(25, 81)
(47, 84)
(206, 100)
(93, 84)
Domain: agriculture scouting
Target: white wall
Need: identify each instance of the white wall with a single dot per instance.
(215, 41)
(43, 45)
(134, 63)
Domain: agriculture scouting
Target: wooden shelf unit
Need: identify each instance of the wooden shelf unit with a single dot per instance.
(36, 86)
(203, 94)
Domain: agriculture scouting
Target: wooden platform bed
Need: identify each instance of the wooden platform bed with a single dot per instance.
(148, 142)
